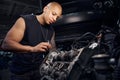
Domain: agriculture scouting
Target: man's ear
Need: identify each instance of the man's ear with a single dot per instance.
(45, 8)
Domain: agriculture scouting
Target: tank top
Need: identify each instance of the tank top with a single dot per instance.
(33, 35)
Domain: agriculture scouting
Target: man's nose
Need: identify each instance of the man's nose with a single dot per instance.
(54, 18)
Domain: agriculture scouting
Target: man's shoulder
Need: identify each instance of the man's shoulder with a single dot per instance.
(27, 16)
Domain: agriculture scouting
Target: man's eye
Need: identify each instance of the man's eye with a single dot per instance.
(53, 13)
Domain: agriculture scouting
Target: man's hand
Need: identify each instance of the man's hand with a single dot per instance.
(42, 47)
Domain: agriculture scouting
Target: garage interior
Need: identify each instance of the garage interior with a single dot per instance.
(78, 18)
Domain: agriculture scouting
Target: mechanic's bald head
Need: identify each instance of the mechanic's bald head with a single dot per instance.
(55, 4)
(51, 12)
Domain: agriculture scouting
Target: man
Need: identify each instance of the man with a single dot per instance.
(30, 39)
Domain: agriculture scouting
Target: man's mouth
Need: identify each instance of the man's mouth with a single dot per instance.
(51, 22)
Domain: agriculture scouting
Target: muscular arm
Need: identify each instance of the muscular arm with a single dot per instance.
(15, 35)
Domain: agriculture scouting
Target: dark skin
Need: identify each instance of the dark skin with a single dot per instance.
(50, 14)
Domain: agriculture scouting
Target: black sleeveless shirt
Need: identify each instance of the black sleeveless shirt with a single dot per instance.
(33, 35)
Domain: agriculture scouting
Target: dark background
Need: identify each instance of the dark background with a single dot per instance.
(79, 17)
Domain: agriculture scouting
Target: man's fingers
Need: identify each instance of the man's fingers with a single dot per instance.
(45, 47)
(43, 50)
(46, 44)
